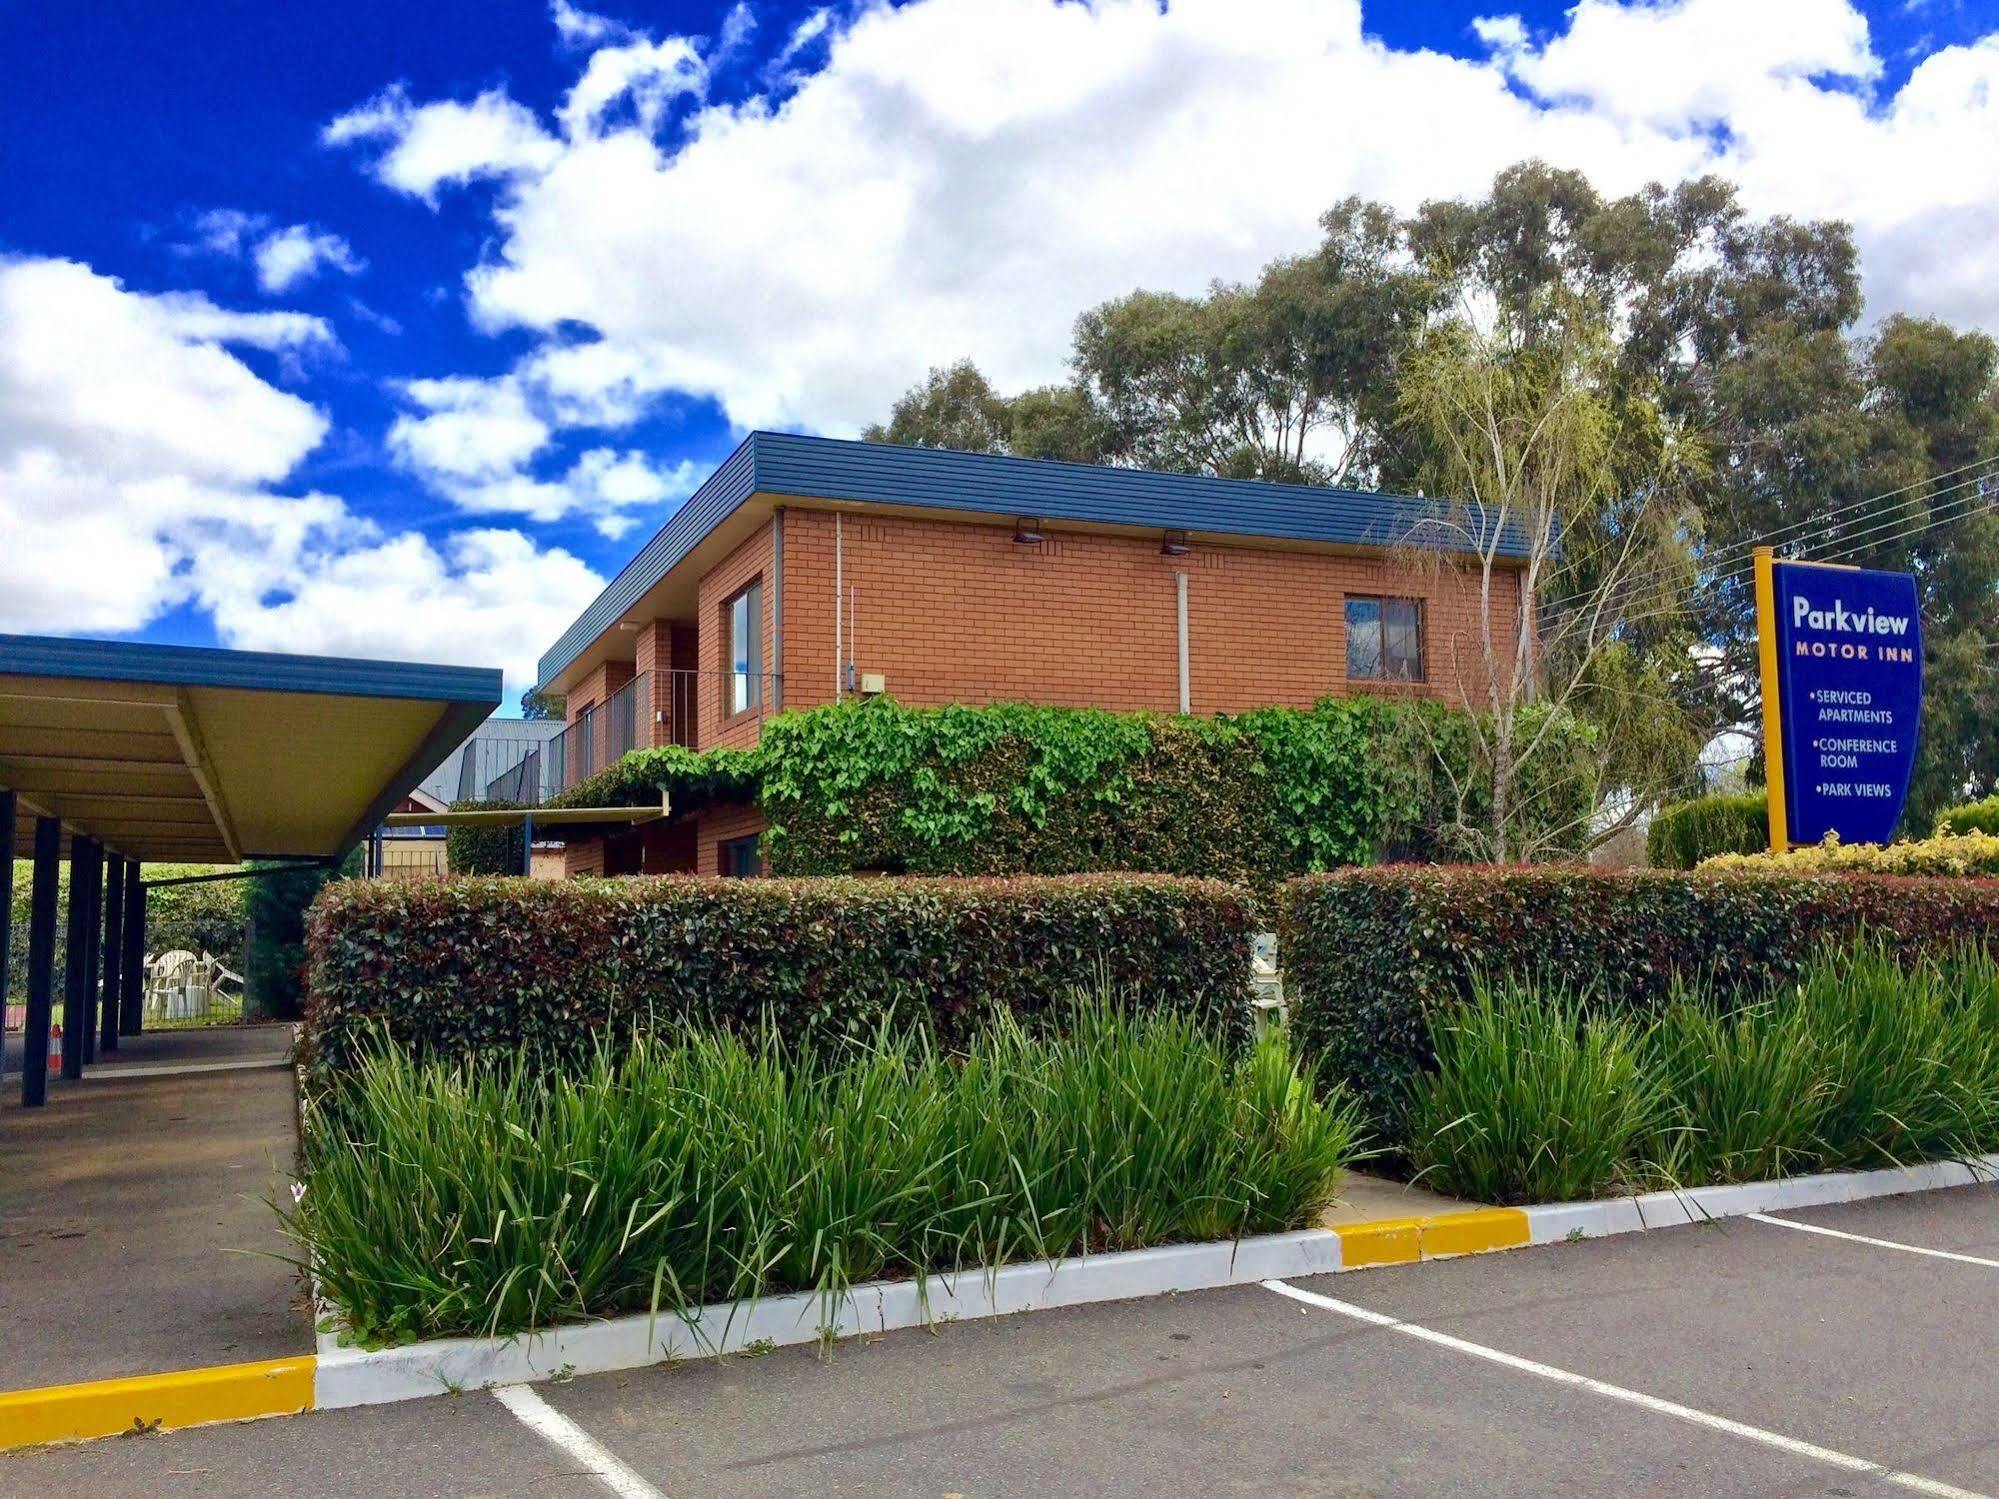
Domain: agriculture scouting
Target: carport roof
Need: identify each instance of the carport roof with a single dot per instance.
(178, 753)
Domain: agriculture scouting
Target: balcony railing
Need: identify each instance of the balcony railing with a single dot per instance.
(654, 708)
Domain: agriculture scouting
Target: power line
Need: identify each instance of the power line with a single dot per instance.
(1963, 508)
(1880, 533)
(1819, 526)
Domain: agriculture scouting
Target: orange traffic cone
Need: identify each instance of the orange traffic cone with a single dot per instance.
(55, 1044)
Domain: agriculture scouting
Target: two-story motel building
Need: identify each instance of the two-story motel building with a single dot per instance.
(808, 570)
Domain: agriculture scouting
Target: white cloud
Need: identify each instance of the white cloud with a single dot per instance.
(1501, 33)
(647, 75)
(475, 442)
(298, 252)
(468, 430)
(448, 143)
(487, 597)
(225, 231)
(581, 28)
(283, 255)
(961, 177)
(140, 465)
(804, 34)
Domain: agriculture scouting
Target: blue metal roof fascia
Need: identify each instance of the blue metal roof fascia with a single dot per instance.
(266, 671)
(782, 463)
(706, 508)
(827, 468)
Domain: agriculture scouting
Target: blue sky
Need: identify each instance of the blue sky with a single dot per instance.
(394, 329)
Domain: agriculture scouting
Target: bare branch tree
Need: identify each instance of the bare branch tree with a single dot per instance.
(1533, 458)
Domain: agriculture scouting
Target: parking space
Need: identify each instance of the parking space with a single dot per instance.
(1738, 1357)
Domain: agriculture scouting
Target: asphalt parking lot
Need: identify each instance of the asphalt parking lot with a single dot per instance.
(1744, 1357)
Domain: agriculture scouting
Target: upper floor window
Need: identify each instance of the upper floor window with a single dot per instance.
(1384, 640)
(746, 649)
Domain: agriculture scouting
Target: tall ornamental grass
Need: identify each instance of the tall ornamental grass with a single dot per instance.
(485, 1199)
(1869, 1059)
(1535, 1098)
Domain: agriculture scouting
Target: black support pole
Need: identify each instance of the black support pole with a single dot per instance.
(93, 943)
(113, 929)
(75, 952)
(41, 963)
(132, 990)
(7, 814)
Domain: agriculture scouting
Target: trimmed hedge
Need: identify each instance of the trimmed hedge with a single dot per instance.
(1972, 817)
(495, 967)
(486, 850)
(277, 905)
(1370, 954)
(1683, 834)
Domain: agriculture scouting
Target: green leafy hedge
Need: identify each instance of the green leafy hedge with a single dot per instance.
(1685, 833)
(1370, 954)
(1020, 789)
(690, 779)
(1972, 817)
(491, 968)
(199, 918)
(486, 850)
(277, 905)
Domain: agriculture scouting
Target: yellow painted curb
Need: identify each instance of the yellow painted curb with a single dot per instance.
(1385, 1241)
(156, 1402)
(1403, 1241)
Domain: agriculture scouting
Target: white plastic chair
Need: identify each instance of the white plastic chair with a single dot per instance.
(166, 984)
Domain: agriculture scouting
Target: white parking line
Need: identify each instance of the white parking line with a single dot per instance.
(1835, 1233)
(549, 1423)
(1826, 1455)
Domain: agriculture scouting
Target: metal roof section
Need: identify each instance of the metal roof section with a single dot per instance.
(784, 464)
(206, 756)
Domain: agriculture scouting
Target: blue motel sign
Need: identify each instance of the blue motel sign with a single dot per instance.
(1842, 667)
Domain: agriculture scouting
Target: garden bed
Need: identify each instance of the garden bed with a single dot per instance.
(446, 1200)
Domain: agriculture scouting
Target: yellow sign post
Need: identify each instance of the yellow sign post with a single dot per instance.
(1773, 711)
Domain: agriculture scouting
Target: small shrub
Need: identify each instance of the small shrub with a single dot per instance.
(700, 1167)
(483, 968)
(1683, 834)
(500, 849)
(1948, 854)
(276, 905)
(1535, 1098)
(1973, 817)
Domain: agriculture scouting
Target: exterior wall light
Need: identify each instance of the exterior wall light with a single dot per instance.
(1175, 545)
(1027, 531)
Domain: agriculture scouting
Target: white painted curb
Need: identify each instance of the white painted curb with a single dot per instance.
(1556, 1222)
(349, 1376)
(369, 1377)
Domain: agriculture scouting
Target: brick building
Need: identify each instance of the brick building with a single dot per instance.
(807, 570)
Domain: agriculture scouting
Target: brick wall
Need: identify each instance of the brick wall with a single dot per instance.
(717, 825)
(949, 612)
